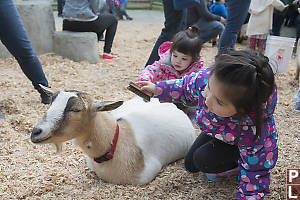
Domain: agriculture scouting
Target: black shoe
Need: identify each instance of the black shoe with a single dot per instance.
(129, 18)
(59, 15)
(214, 43)
(45, 98)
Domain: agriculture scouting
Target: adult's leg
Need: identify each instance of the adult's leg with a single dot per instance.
(104, 22)
(211, 155)
(237, 12)
(14, 37)
(209, 29)
(60, 6)
(277, 23)
(297, 23)
(173, 24)
(109, 23)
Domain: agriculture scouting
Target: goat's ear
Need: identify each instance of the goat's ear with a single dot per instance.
(47, 90)
(106, 105)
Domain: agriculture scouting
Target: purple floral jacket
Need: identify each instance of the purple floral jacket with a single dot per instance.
(163, 70)
(256, 157)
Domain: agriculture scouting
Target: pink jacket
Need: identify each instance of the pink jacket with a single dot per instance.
(163, 70)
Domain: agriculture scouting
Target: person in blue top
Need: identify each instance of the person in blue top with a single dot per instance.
(219, 8)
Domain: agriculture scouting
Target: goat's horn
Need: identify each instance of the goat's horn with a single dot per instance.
(46, 90)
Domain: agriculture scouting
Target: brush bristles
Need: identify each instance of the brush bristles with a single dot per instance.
(136, 90)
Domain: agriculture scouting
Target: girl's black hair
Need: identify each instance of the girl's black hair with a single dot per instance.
(249, 81)
(188, 42)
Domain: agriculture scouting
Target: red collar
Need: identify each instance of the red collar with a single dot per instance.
(110, 154)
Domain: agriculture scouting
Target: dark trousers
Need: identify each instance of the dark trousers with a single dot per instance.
(60, 6)
(297, 23)
(277, 23)
(104, 22)
(210, 155)
(174, 22)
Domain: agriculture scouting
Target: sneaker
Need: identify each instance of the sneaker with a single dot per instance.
(297, 107)
(129, 18)
(221, 176)
(107, 56)
(45, 98)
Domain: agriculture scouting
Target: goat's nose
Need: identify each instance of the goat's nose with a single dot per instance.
(36, 131)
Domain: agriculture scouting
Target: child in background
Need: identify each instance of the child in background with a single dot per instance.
(219, 8)
(236, 101)
(178, 58)
(260, 22)
(123, 10)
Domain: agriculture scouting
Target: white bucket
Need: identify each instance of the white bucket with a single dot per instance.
(279, 51)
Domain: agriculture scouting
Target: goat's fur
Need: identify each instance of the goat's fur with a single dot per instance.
(151, 134)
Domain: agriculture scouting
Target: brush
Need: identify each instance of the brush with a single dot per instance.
(136, 89)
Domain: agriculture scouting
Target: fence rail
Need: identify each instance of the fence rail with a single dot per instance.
(141, 4)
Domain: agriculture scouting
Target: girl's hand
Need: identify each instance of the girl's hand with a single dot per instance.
(148, 86)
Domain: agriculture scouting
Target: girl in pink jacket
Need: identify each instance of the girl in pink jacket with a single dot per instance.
(178, 58)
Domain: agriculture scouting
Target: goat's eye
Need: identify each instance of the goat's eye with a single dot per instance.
(74, 110)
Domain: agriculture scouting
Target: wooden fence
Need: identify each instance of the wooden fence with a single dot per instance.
(140, 4)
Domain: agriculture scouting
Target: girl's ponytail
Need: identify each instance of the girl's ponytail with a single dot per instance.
(193, 29)
(188, 42)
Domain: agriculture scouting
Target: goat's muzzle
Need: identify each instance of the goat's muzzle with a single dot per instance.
(36, 135)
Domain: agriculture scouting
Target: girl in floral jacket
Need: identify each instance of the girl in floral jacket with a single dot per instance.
(177, 58)
(236, 101)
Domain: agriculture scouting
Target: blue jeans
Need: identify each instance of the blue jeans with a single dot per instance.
(112, 7)
(209, 29)
(123, 10)
(174, 22)
(297, 95)
(237, 11)
(14, 37)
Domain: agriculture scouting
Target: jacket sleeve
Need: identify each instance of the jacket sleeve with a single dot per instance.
(185, 90)
(151, 72)
(278, 5)
(255, 164)
(202, 11)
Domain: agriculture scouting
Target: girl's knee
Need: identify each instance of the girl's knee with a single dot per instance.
(196, 162)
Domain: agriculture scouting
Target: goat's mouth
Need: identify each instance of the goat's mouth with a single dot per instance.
(36, 139)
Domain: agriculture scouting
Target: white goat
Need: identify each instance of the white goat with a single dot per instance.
(151, 135)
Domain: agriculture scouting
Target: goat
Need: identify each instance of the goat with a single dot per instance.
(151, 135)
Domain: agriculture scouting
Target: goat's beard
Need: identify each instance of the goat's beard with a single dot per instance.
(58, 147)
